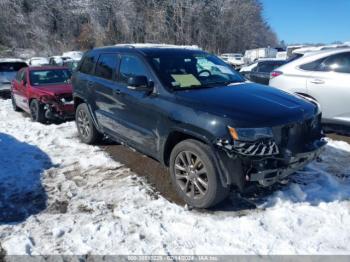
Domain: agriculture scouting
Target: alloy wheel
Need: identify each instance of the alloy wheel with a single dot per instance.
(83, 124)
(191, 174)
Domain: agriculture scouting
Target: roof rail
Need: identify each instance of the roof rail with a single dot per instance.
(151, 45)
(125, 45)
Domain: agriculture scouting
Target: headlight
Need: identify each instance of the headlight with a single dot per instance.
(250, 134)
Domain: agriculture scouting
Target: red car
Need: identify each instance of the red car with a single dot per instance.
(43, 92)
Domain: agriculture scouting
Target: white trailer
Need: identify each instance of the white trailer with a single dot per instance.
(253, 55)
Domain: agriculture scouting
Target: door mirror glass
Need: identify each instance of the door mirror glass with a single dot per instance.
(138, 82)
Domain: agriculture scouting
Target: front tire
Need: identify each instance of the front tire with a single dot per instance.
(88, 133)
(37, 111)
(195, 176)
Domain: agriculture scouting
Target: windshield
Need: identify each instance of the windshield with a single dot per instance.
(11, 66)
(191, 71)
(49, 77)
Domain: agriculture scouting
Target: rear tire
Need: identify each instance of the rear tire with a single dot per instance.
(37, 111)
(14, 105)
(88, 133)
(195, 176)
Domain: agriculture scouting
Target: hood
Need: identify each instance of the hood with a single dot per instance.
(7, 77)
(56, 90)
(249, 104)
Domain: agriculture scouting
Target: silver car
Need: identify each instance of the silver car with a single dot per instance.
(8, 70)
(323, 76)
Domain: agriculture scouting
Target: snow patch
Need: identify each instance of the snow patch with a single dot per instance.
(94, 205)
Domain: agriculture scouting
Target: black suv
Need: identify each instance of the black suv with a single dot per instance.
(260, 71)
(193, 113)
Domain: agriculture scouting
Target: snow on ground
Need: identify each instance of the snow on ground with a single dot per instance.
(59, 196)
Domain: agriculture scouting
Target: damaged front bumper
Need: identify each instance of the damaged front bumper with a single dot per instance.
(56, 109)
(269, 171)
(264, 162)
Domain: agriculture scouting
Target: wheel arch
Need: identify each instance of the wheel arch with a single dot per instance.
(77, 101)
(220, 158)
(177, 136)
(80, 100)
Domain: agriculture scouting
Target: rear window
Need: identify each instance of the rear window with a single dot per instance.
(268, 67)
(11, 66)
(49, 77)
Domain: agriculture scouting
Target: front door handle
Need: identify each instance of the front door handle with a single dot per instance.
(90, 86)
(317, 81)
(116, 92)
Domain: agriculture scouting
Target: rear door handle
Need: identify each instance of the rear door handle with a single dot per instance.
(317, 81)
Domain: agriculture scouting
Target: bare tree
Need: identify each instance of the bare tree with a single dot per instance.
(56, 25)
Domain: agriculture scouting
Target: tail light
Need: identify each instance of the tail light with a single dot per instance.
(274, 74)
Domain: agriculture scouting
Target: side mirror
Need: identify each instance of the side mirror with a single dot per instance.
(23, 82)
(140, 83)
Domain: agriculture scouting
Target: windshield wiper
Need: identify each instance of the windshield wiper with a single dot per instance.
(207, 85)
(226, 83)
(190, 87)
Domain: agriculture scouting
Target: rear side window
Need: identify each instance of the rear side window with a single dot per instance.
(337, 63)
(106, 66)
(313, 66)
(131, 66)
(88, 64)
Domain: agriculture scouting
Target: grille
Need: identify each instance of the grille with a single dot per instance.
(296, 136)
